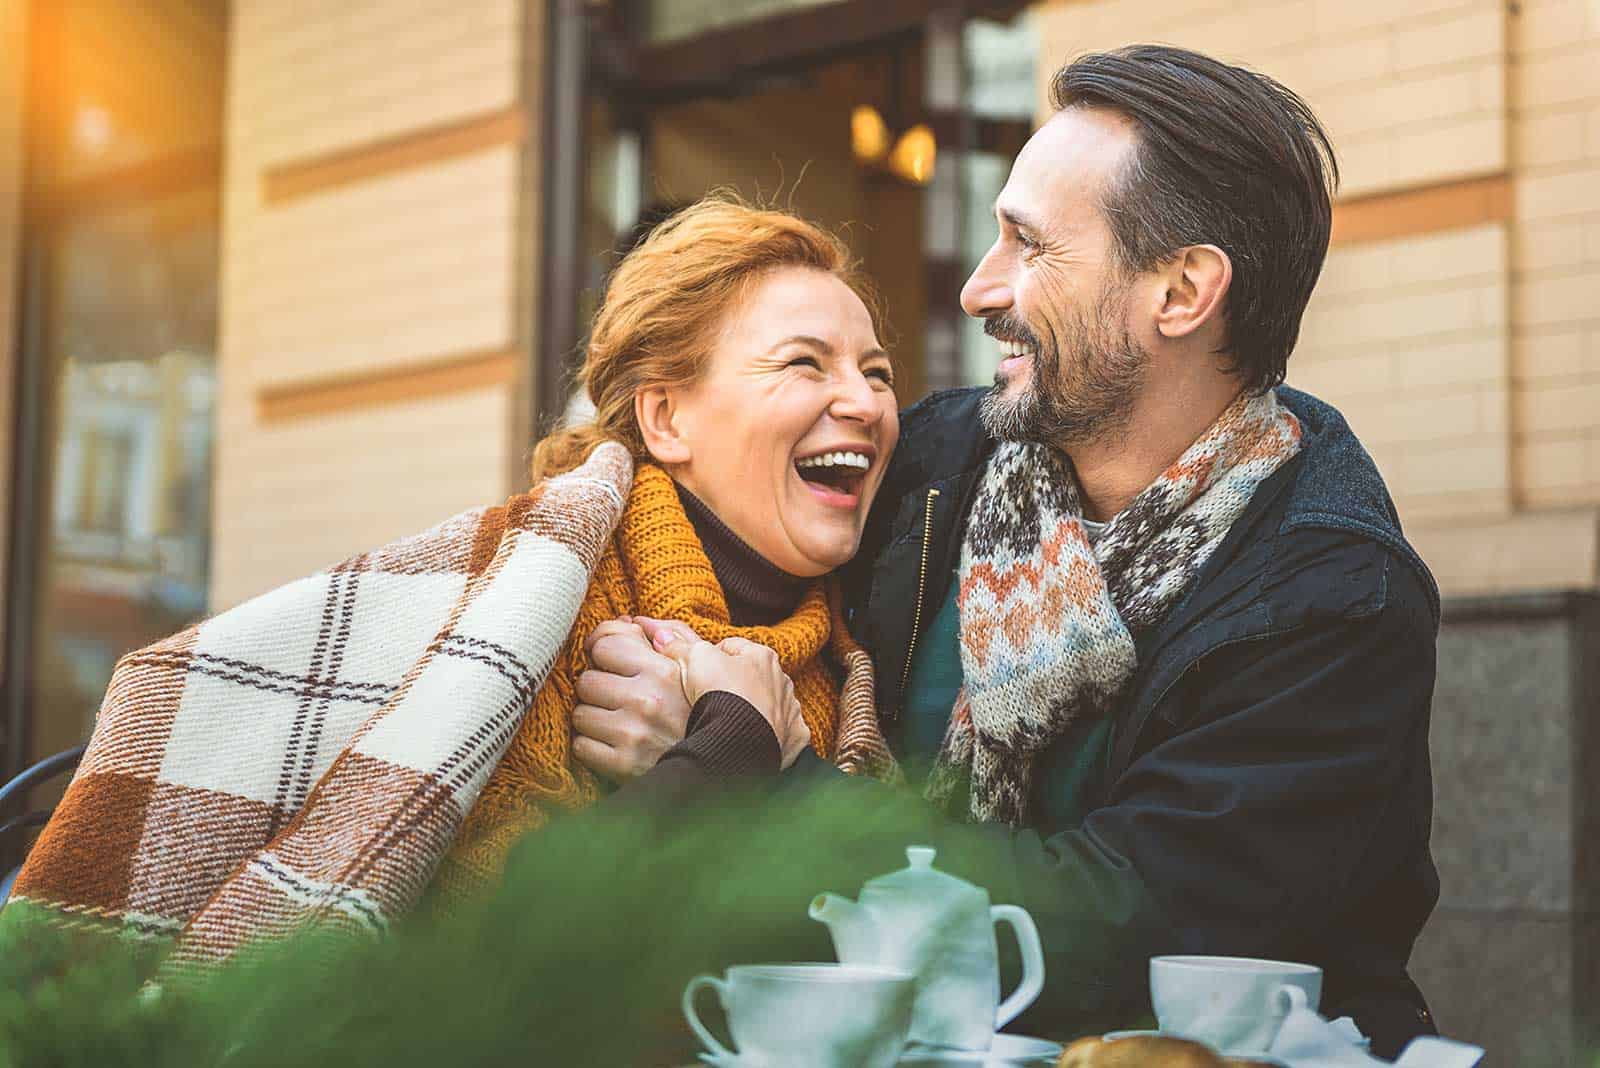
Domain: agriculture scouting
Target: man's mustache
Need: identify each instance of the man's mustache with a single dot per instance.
(1007, 326)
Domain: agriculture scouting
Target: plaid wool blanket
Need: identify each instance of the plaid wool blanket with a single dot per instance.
(309, 755)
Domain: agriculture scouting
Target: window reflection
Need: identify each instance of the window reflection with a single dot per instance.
(671, 20)
(125, 224)
(130, 453)
(1001, 60)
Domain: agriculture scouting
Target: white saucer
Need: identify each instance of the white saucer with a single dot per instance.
(1264, 1058)
(1004, 1052)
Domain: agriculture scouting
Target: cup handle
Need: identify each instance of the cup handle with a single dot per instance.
(1291, 997)
(1032, 962)
(702, 1032)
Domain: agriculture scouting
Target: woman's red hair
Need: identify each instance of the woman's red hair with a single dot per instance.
(666, 301)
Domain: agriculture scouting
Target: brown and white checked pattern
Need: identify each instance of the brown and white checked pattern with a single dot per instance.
(309, 756)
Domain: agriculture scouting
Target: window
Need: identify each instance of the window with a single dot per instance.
(672, 20)
(112, 515)
(1002, 97)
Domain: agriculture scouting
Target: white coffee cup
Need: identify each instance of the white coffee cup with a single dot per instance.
(808, 1015)
(1233, 1004)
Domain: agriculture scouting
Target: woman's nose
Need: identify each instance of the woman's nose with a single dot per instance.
(856, 400)
(988, 291)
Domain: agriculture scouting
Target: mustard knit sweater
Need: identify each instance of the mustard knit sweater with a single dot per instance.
(654, 566)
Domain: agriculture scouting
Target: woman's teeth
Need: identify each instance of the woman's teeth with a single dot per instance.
(836, 459)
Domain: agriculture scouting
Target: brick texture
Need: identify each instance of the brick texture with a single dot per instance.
(318, 78)
(1412, 93)
(407, 267)
(1555, 251)
(362, 278)
(1410, 339)
(308, 493)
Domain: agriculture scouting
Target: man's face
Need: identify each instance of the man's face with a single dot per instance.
(1051, 294)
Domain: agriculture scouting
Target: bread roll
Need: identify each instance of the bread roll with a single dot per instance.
(1139, 1051)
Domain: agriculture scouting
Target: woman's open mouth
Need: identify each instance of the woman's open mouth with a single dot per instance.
(837, 477)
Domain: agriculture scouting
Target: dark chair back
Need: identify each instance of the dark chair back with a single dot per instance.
(18, 788)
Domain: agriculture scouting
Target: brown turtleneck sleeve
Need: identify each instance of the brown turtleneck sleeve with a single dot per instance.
(725, 735)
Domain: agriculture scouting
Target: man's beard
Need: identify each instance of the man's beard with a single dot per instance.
(1092, 402)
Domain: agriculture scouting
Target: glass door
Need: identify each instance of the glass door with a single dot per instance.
(891, 123)
(114, 440)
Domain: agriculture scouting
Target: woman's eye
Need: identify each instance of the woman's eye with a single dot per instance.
(806, 361)
(883, 374)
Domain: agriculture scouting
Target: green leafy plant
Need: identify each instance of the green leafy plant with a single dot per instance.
(578, 958)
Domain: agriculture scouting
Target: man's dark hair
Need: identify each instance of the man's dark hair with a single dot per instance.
(1225, 157)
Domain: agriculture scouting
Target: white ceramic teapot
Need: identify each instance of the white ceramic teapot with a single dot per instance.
(940, 929)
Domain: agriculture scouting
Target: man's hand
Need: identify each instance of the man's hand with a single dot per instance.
(737, 666)
(631, 706)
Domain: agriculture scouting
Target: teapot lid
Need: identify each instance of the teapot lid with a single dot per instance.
(919, 876)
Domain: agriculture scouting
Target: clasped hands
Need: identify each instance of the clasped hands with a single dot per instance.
(644, 678)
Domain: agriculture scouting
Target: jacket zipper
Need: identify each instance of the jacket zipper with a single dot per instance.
(922, 585)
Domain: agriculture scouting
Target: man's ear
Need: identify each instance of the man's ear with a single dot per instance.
(1197, 287)
(655, 411)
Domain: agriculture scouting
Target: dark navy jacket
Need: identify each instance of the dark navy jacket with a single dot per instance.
(1268, 792)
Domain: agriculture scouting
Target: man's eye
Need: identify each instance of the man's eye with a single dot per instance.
(1029, 245)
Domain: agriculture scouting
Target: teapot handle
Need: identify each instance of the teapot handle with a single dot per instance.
(1032, 962)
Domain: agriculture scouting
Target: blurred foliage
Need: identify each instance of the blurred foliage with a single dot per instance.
(579, 958)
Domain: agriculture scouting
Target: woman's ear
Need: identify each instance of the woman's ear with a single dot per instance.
(655, 411)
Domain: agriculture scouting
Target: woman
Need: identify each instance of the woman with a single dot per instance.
(325, 751)
(737, 358)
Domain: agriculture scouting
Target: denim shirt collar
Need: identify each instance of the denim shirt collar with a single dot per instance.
(1339, 487)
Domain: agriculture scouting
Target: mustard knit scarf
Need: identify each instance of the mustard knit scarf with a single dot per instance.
(655, 566)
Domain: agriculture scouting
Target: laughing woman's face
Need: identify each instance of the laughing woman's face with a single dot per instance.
(787, 434)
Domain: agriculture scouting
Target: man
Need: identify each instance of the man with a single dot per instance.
(1147, 617)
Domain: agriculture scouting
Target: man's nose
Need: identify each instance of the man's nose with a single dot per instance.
(988, 291)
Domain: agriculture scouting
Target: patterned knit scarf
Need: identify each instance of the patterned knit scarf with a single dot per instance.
(1047, 621)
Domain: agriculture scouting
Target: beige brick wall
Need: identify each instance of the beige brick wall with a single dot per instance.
(1409, 338)
(403, 268)
(1412, 93)
(363, 278)
(12, 50)
(1555, 251)
(334, 75)
(320, 489)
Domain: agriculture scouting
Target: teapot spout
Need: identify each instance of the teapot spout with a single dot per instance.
(854, 941)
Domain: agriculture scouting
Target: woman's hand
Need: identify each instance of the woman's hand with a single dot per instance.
(631, 707)
(745, 668)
